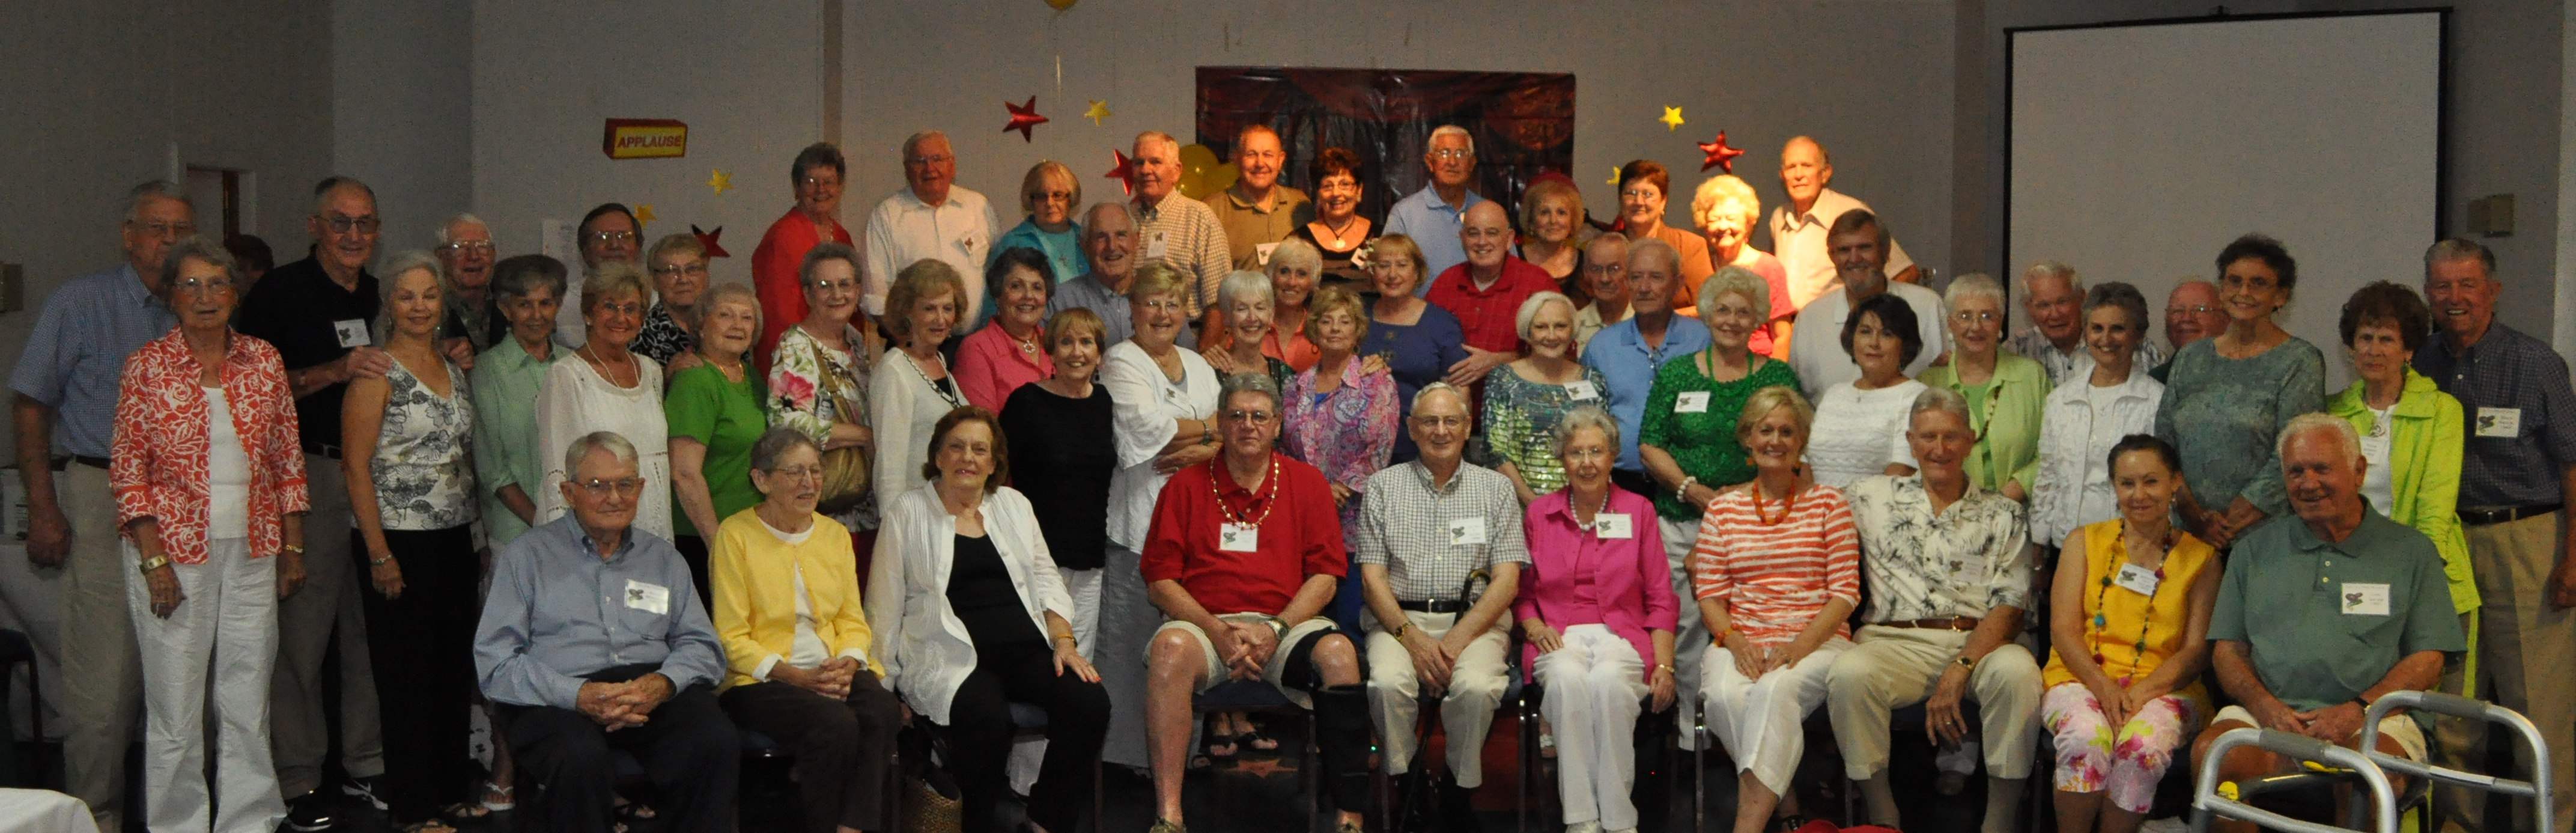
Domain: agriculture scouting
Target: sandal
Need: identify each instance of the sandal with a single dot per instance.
(1257, 741)
(497, 798)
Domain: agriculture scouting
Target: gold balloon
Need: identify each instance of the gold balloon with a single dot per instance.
(1202, 175)
(1061, 5)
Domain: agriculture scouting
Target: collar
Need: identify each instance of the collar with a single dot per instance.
(910, 200)
(1564, 502)
(2306, 540)
(1156, 207)
(1422, 474)
(1430, 195)
(1225, 485)
(517, 356)
(590, 548)
(1817, 213)
(1281, 196)
(1914, 482)
(130, 289)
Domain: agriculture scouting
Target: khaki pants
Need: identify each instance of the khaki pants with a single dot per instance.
(328, 600)
(102, 670)
(1466, 709)
(1890, 668)
(2526, 662)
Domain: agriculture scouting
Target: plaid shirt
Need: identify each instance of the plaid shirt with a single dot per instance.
(2507, 371)
(1193, 242)
(1421, 533)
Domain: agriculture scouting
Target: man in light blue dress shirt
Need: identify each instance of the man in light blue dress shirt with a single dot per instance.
(593, 642)
(1433, 215)
(1627, 353)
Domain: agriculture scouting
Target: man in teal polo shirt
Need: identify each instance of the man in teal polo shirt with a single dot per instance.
(2322, 614)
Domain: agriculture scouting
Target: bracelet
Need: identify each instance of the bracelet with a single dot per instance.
(379, 562)
(1066, 637)
(1665, 667)
(1965, 662)
(154, 563)
(1684, 486)
(297, 549)
(1402, 629)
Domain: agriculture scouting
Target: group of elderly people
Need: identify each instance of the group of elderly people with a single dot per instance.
(1115, 457)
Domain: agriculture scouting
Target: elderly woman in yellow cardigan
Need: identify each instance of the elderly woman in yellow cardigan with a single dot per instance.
(2006, 393)
(796, 641)
(2411, 432)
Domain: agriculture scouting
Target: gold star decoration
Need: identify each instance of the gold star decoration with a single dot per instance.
(1614, 174)
(644, 212)
(1099, 110)
(720, 181)
(1672, 118)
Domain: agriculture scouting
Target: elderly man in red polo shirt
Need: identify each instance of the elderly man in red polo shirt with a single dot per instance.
(1244, 552)
(1486, 292)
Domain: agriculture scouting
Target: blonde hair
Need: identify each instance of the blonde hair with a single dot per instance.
(610, 280)
(1769, 399)
(1397, 244)
(730, 293)
(1723, 188)
(1332, 298)
(1071, 320)
(1158, 279)
(1549, 189)
(1036, 179)
(915, 282)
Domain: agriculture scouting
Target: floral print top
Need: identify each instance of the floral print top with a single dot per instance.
(159, 451)
(1347, 434)
(812, 386)
(423, 467)
(661, 337)
(1520, 422)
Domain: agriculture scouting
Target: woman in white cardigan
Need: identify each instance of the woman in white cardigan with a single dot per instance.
(910, 387)
(2082, 420)
(971, 616)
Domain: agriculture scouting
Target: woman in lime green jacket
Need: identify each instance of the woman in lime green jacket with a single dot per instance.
(2410, 430)
(2006, 393)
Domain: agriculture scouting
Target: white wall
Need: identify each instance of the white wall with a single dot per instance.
(746, 78)
(98, 90)
(1871, 78)
(401, 121)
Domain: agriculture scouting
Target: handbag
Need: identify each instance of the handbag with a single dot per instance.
(845, 470)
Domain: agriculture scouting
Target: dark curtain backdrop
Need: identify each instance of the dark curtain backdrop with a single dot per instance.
(1523, 123)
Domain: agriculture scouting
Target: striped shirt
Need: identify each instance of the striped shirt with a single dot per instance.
(1777, 577)
(2522, 415)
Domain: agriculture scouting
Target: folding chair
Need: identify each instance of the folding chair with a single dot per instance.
(1260, 696)
(1031, 723)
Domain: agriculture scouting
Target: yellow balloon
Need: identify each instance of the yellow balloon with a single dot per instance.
(1202, 175)
(1061, 5)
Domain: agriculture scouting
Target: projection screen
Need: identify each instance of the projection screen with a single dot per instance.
(2139, 150)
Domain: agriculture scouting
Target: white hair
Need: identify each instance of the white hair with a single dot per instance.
(1528, 315)
(1245, 285)
(1975, 285)
(1466, 406)
(609, 441)
(1452, 130)
(447, 230)
(2050, 269)
(397, 265)
(2320, 421)
(1736, 279)
(1938, 399)
(158, 189)
(913, 142)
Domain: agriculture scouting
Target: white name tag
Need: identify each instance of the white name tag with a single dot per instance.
(1157, 245)
(1238, 538)
(2136, 579)
(1466, 531)
(2499, 422)
(1612, 527)
(1582, 389)
(1261, 253)
(352, 332)
(2365, 599)
(1691, 402)
(648, 597)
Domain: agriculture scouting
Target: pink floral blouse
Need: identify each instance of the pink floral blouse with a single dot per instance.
(1348, 434)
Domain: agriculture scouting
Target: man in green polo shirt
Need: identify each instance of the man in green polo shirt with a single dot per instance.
(2320, 614)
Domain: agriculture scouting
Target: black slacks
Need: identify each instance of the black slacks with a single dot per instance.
(980, 733)
(844, 748)
(688, 749)
(425, 681)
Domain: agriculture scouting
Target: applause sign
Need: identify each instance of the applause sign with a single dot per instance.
(645, 139)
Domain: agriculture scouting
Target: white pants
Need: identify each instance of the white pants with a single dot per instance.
(1891, 668)
(1688, 636)
(1084, 586)
(227, 624)
(1593, 685)
(1758, 720)
(1466, 709)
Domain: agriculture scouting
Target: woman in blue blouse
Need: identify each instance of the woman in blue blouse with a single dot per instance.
(1419, 341)
(2237, 390)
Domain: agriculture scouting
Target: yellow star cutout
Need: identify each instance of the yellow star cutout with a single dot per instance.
(1099, 110)
(1672, 119)
(720, 181)
(644, 212)
(1614, 174)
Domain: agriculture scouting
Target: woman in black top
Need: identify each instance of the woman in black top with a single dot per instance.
(1059, 431)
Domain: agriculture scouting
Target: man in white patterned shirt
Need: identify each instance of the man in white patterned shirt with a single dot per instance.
(1173, 228)
(1949, 571)
(2053, 296)
(1425, 527)
(930, 217)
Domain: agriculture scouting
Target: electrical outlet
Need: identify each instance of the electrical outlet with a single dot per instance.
(2491, 215)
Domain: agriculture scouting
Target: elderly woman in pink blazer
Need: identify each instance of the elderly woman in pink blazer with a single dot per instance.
(1598, 647)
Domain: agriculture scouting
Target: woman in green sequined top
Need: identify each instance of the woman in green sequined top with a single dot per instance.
(1525, 399)
(1687, 438)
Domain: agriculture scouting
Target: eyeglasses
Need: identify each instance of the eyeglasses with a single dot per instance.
(612, 237)
(1644, 193)
(1965, 317)
(1440, 421)
(1252, 417)
(811, 182)
(344, 225)
(1053, 196)
(833, 286)
(479, 247)
(2244, 282)
(1448, 154)
(597, 488)
(926, 160)
(203, 287)
(667, 270)
(169, 231)
(628, 308)
(2195, 309)
(1160, 306)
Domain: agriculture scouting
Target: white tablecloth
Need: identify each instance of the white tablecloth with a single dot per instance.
(43, 811)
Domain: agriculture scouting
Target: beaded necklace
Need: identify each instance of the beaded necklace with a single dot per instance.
(2101, 623)
(1217, 474)
(1787, 501)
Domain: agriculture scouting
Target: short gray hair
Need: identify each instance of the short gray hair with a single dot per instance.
(1466, 404)
(1243, 284)
(2319, 421)
(519, 276)
(1588, 416)
(1160, 137)
(612, 442)
(739, 293)
(322, 190)
(1936, 398)
(2051, 269)
(445, 229)
(1451, 130)
(1294, 252)
(1651, 245)
(2120, 296)
(1736, 279)
(913, 142)
(1260, 383)
(826, 250)
(1973, 285)
(399, 264)
(776, 442)
(202, 249)
(1528, 315)
(1120, 206)
(2459, 248)
(158, 189)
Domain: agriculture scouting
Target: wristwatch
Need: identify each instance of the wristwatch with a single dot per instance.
(154, 563)
(1967, 663)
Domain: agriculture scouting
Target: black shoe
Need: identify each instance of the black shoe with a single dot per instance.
(309, 813)
(1457, 808)
(369, 789)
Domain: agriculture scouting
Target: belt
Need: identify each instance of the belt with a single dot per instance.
(1952, 623)
(92, 462)
(324, 449)
(2483, 517)
(1433, 606)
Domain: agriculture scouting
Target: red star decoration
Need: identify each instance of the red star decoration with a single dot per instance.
(1719, 155)
(1124, 173)
(708, 239)
(1023, 117)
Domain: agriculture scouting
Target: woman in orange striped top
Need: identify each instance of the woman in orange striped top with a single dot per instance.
(1776, 571)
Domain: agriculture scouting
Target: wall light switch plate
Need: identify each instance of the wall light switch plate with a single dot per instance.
(2491, 215)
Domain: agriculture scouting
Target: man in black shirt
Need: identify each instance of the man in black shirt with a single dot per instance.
(317, 312)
